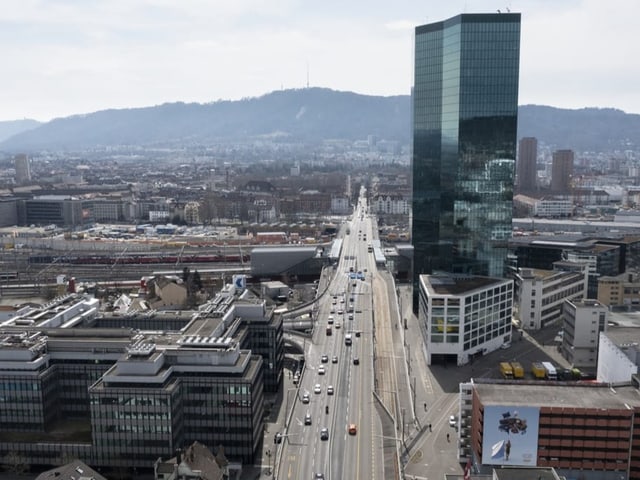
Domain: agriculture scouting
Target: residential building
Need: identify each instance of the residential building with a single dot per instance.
(390, 204)
(465, 105)
(582, 322)
(583, 430)
(23, 169)
(74, 470)
(196, 462)
(464, 316)
(540, 294)
(562, 171)
(527, 171)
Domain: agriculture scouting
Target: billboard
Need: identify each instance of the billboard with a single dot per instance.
(510, 435)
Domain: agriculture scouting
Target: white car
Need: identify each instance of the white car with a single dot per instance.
(452, 421)
(330, 390)
(505, 345)
(305, 397)
(317, 388)
(321, 370)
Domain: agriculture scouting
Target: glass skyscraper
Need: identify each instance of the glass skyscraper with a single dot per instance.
(465, 110)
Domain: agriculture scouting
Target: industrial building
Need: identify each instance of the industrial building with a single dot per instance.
(126, 390)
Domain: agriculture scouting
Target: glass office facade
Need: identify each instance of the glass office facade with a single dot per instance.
(465, 105)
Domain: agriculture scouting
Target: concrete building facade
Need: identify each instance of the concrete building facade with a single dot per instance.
(582, 322)
(540, 295)
(527, 173)
(562, 171)
(464, 316)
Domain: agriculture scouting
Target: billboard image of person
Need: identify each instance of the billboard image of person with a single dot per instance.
(510, 435)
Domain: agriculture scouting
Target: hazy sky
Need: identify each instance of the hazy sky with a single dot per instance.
(64, 57)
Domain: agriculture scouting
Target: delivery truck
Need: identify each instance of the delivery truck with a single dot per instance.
(538, 371)
(518, 371)
(506, 370)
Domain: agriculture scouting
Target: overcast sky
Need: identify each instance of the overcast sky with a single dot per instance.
(64, 57)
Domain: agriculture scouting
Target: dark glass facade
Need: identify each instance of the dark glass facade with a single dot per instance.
(465, 105)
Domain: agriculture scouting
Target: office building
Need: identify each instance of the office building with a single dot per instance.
(583, 430)
(561, 171)
(540, 294)
(125, 390)
(465, 106)
(60, 210)
(582, 322)
(464, 316)
(23, 169)
(527, 171)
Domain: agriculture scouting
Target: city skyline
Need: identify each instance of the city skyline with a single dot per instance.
(64, 58)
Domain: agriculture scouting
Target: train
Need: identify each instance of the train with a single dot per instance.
(137, 259)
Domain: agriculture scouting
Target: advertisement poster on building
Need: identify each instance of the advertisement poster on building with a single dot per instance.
(510, 435)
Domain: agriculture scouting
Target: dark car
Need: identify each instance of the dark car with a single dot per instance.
(324, 434)
(356, 361)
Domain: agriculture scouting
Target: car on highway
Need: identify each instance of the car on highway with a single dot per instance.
(330, 390)
(321, 370)
(340, 312)
(452, 421)
(334, 359)
(324, 358)
(319, 476)
(332, 311)
(338, 326)
(307, 419)
(330, 320)
(356, 361)
(305, 397)
(353, 429)
(317, 388)
(324, 434)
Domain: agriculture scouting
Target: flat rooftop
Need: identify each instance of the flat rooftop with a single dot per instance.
(457, 284)
(557, 395)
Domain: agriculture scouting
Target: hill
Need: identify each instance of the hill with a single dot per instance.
(13, 127)
(305, 115)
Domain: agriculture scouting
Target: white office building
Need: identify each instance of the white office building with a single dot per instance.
(582, 322)
(541, 293)
(464, 316)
